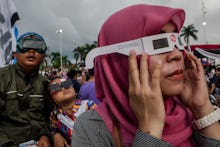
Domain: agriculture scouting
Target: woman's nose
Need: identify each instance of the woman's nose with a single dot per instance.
(175, 55)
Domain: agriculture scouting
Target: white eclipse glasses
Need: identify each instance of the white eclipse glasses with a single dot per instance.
(155, 44)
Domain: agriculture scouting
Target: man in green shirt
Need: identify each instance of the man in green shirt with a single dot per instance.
(24, 100)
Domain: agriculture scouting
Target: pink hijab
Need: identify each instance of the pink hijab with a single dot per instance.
(111, 72)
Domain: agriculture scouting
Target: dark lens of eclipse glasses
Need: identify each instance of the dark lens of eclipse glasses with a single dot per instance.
(26, 45)
(58, 86)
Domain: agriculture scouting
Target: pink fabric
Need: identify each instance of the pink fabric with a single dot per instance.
(178, 128)
(111, 72)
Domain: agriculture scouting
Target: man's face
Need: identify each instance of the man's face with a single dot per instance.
(29, 60)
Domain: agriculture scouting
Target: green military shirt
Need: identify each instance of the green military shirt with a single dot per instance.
(24, 105)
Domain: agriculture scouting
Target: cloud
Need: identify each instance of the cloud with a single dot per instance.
(82, 20)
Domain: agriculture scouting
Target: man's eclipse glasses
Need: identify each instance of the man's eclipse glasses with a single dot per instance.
(26, 45)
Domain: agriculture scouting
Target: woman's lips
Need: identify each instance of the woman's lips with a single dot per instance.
(176, 75)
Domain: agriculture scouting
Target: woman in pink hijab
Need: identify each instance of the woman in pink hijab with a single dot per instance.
(148, 100)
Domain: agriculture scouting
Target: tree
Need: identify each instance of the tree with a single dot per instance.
(187, 32)
(79, 52)
(65, 60)
(76, 56)
(55, 60)
(82, 51)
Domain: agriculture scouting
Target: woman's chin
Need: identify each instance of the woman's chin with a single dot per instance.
(172, 90)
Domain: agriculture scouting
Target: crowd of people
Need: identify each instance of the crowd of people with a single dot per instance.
(158, 98)
(213, 82)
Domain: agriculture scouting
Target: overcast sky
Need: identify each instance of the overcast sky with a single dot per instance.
(81, 20)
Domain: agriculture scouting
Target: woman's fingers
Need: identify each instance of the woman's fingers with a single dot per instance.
(144, 75)
(155, 75)
(134, 81)
(193, 62)
(196, 61)
(141, 79)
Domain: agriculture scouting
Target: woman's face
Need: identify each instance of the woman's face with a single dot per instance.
(171, 81)
(64, 96)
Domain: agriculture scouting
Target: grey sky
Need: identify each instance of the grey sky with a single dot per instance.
(81, 20)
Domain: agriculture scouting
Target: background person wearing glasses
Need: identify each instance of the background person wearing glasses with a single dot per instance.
(66, 108)
(24, 102)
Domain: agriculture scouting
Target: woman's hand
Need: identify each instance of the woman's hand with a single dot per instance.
(59, 141)
(145, 96)
(195, 92)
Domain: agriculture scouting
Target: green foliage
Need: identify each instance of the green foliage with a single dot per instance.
(187, 32)
(55, 60)
(80, 52)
